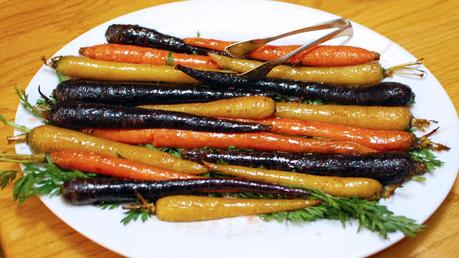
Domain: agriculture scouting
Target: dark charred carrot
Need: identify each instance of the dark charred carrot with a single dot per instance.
(386, 167)
(78, 115)
(383, 94)
(144, 55)
(318, 56)
(257, 141)
(113, 166)
(143, 93)
(382, 140)
(141, 36)
(89, 191)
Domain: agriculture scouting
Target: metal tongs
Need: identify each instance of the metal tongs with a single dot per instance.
(240, 49)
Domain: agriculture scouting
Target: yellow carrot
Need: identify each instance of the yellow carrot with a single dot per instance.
(253, 107)
(337, 186)
(181, 208)
(86, 68)
(371, 117)
(362, 75)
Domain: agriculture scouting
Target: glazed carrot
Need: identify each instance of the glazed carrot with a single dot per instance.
(253, 107)
(214, 44)
(178, 208)
(337, 186)
(46, 139)
(128, 136)
(257, 141)
(360, 75)
(113, 166)
(381, 140)
(371, 117)
(145, 55)
(87, 68)
(318, 56)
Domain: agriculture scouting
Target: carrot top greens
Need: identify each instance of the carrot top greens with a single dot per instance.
(45, 179)
(369, 215)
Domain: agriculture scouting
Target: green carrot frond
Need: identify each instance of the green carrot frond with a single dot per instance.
(43, 179)
(26, 103)
(6, 177)
(20, 128)
(134, 215)
(314, 102)
(427, 157)
(369, 214)
(170, 59)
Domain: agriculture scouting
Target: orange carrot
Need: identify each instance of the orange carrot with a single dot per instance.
(128, 136)
(257, 141)
(112, 166)
(318, 56)
(145, 55)
(381, 140)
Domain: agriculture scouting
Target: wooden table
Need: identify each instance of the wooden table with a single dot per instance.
(34, 28)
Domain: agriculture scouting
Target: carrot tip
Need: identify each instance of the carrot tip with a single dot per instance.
(52, 62)
(17, 139)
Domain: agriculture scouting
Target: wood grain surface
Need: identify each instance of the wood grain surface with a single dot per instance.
(39, 28)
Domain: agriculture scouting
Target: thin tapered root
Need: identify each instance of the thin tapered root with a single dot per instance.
(52, 62)
(143, 205)
(408, 69)
(22, 158)
(22, 138)
(421, 124)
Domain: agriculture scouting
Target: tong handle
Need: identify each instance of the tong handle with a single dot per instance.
(262, 70)
(240, 49)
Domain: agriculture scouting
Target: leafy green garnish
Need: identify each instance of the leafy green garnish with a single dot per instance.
(20, 128)
(427, 157)
(61, 77)
(108, 206)
(170, 59)
(198, 34)
(6, 177)
(26, 103)
(134, 215)
(369, 214)
(43, 179)
(173, 151)
(418, 178)
(314, 102)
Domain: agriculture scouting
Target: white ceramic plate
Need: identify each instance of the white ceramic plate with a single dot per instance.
(249, 236)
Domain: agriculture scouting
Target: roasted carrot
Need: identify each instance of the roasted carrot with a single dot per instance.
(46, 139)
(145, 55)
(253, 107)
(361, 75)
(178, 208)
(258, 141)
(214, 44)
(87, 68)
(113, 166)
(318, 56)
(111, 190)
(382, 140)
(371, 117)
(338, 186)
